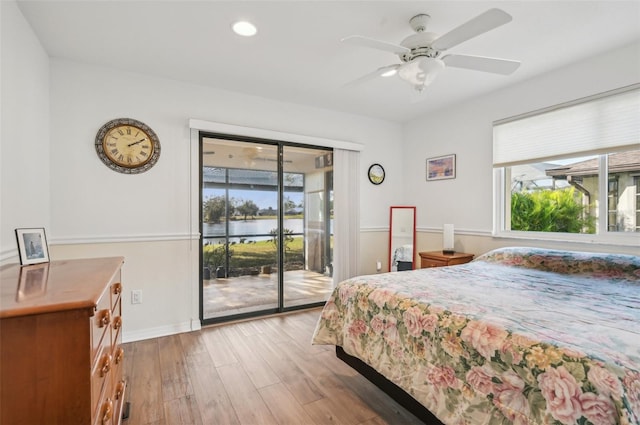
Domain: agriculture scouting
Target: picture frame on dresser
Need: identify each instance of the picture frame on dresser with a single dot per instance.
(441, 167)
(32, 245)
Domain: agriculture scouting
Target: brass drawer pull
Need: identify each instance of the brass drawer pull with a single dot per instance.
(119, 390)
(107, 411)
(119, 355)
(106, 365)
(105, 318)
(117, 323)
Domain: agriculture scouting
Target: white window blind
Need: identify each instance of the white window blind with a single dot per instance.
(598, 124)
(346, 221)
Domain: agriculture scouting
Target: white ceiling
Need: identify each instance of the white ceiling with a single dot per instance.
(297, 55)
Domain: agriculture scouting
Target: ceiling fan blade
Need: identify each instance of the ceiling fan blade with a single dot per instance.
(481, 63)
(359, 40)
(375, 74)
(482, 23)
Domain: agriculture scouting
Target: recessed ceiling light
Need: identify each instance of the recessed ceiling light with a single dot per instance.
(244, 28)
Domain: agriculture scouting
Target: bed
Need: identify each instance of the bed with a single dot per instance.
(519, 335)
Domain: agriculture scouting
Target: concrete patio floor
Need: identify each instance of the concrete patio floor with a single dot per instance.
(237, 295)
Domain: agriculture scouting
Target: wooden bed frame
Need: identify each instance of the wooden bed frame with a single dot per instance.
(391, 389)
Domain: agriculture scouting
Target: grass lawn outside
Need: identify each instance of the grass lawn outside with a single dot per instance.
(249, 258)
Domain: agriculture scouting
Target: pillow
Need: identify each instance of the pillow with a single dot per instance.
(598, 265)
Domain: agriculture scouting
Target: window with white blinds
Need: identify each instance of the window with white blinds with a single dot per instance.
(570, 172)
(603, 123)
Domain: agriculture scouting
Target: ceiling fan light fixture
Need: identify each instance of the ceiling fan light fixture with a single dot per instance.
(420, 53)
(244, 28)
(421, 71)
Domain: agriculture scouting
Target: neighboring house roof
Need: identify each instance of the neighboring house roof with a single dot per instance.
(619, 162)
(532, 176)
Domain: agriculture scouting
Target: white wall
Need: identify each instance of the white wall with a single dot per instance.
(24, 134)
(149, 216)
(84, 97)
(466, 130)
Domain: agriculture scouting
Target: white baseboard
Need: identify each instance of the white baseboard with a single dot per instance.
(139, 335)
(195, 325)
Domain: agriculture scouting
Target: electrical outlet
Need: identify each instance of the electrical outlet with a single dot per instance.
(378, 266)
(136, 296)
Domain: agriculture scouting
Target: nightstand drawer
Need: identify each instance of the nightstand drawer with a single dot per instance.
(431, 262)
(439, 259)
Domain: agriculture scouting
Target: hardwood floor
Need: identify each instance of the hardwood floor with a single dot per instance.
(263, 371)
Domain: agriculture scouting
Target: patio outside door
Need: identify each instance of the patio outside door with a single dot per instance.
(266, 227)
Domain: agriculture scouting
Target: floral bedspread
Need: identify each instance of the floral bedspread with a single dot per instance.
(519, 335)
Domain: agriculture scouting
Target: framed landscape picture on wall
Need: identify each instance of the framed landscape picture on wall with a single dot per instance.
(442, 167)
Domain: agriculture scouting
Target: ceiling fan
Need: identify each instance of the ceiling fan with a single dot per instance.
(421, 53)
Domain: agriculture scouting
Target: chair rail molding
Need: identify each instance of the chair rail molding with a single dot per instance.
(96, 239)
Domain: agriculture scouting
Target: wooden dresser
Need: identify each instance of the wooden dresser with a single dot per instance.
(60, 343)
(438, 259)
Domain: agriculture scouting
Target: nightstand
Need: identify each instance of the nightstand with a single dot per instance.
(438, 259)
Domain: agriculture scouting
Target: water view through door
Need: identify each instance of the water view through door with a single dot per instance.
(266, 221)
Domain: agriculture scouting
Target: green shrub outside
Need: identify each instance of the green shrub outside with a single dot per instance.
(550, 211)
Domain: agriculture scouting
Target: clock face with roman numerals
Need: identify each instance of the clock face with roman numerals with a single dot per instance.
(127, 146)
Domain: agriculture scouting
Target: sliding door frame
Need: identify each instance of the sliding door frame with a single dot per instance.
(281, 145)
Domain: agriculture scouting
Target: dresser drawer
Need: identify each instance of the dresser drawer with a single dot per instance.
(118, 361)
(116, 323)
(118, 401)
(118, 384)
(109, 408)
(101, 375)
(105, 412)
(101, 324)
(116, 291)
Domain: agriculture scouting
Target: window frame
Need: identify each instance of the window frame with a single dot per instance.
(612, 194)
(636, 181)
(502, 215)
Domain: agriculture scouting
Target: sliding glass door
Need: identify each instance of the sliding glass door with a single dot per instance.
(266, 227)
(307, 226)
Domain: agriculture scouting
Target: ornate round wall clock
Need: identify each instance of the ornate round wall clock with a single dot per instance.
(376, 174)
(127, 146)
